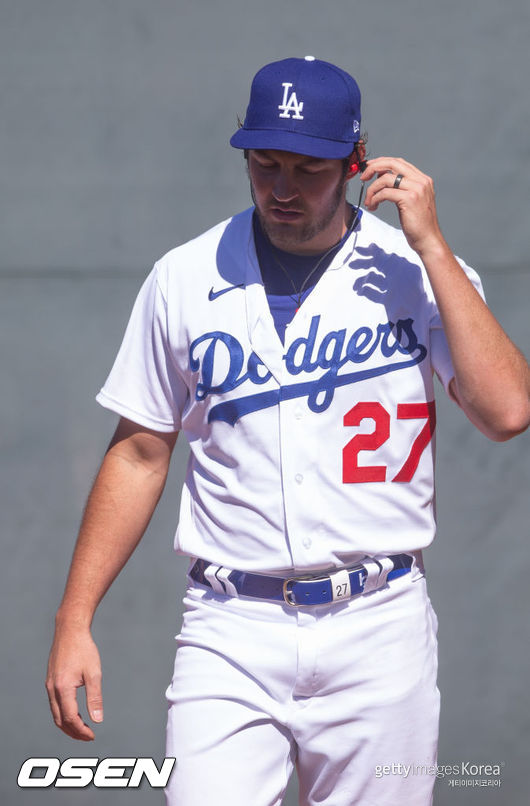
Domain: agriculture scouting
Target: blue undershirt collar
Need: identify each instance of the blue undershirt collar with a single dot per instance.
(279, 290)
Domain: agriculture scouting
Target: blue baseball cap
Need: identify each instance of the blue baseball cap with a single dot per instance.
(306, 106)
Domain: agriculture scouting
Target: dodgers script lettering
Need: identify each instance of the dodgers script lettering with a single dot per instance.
(219, 359)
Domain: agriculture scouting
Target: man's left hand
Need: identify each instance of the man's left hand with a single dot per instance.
(413, 197)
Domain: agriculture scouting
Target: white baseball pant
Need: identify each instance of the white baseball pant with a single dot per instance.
(340, 691)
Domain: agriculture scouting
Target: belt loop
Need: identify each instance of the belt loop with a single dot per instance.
(210, 574)
(386, 566)
(418, 568)
(373, 569)
(222, 575)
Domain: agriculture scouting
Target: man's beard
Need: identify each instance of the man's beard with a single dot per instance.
(288, 236)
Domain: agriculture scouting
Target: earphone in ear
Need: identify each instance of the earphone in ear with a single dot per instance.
(356, 167)
(362, 165)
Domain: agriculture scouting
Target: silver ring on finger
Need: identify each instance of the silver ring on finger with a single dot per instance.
(397, 181)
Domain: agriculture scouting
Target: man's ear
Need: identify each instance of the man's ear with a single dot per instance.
(360, 152)
(357, 160)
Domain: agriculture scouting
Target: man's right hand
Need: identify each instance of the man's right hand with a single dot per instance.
(74, 662)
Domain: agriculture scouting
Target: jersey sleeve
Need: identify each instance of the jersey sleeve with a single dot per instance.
(440, 355)
(144, 384)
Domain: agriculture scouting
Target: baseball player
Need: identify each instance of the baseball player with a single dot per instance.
(294, 344)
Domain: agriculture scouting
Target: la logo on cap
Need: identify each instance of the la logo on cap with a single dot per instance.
(290, 104)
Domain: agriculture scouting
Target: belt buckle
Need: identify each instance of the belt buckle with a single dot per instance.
(311, 578)
(304, 578)
(287, 592)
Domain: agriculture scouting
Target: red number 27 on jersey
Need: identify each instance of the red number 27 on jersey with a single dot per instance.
(353, 473)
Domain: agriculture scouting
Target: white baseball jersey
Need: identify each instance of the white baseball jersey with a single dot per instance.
(304, 455)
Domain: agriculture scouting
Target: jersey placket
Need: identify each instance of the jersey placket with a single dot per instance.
(299, 455)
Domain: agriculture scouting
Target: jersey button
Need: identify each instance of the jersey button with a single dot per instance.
(299, 478)
(299, 414)
(307, 542)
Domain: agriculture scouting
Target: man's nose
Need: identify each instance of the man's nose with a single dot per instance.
(284, 188)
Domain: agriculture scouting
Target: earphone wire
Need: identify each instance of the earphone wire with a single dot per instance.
(297, 297)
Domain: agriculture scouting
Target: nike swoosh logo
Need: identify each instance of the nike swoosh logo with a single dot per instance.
(214, 294)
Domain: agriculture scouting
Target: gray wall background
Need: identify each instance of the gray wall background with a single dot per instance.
(114, 122)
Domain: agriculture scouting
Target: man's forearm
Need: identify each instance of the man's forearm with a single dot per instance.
(123, 498)
(491, 374)
(119, 508)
